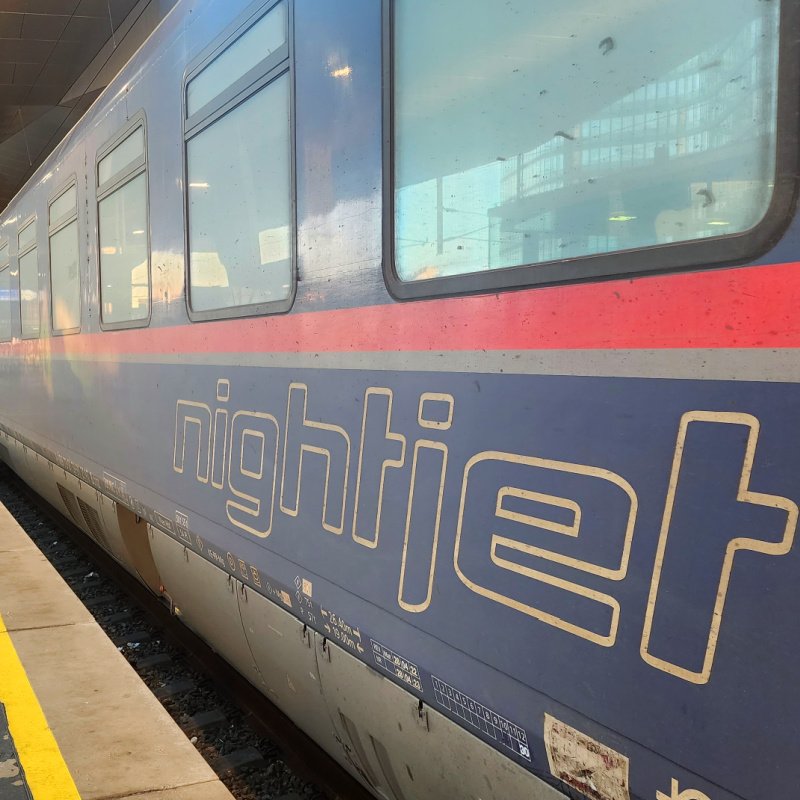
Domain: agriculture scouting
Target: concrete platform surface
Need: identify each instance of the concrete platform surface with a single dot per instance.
(80, 723)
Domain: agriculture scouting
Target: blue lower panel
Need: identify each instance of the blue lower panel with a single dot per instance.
(615, 553)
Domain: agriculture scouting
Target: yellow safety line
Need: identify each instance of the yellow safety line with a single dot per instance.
(45, 770)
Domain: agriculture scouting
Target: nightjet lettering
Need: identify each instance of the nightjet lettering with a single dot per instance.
(548, 539)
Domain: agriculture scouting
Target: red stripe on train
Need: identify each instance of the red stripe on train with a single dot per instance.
(752, 307)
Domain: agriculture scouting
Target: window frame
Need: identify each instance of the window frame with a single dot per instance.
(268, 70)
(52, 229)
(31, 219)
(6, 265)
(104, 190)
(718, 251)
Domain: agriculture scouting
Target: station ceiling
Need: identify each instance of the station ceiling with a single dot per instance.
(56, 56)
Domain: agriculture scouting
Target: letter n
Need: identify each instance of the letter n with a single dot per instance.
(193, 430)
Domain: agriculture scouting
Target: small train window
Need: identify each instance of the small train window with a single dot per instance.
(265, 37)
(550, 135)
(123, 226)
(29, 295)
(65, 282)
(5, 294)
(238, 151)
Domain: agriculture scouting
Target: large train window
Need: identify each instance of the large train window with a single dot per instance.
(238, 160)
(5, 294)
(65, 283)
(123, 229)
(566, 137)
(28, 280)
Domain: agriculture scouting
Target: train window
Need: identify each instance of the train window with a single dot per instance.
(5, 294)
(64, 206)
(27, 235)
(550, 135)
(260, 41)
(29, 281)
(65, 285)
(238, 172)
(123, 230)
(126, 155)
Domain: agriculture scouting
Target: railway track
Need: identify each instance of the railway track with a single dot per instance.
(257, 751)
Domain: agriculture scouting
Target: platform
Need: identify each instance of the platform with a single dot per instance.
(76, 721)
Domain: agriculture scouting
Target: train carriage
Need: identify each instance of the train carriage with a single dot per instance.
(438, 363)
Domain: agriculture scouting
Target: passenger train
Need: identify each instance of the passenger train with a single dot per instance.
(437, 363)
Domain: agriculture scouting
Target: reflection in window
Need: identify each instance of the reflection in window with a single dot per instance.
(65, 205)
(27, 237)
(251, 48)
(5, 302)
(123, 157)
(534, 131)
(240, 204)
(28, 281)
(29, 294)
(66, 287)
(124, 274)
(238, 164)
(122, 227)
